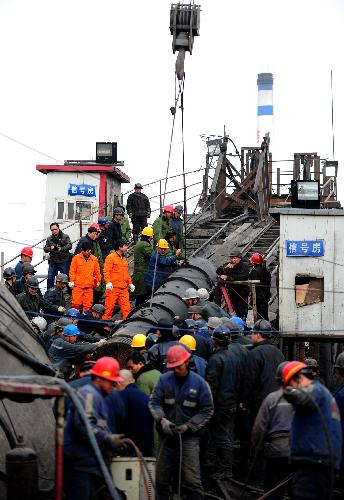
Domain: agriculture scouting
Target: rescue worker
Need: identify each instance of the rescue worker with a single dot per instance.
(177, 226)
(181, 405)
(55, 330)
(138, 209)
(200, 332)
(261, 273)
(90, 237)
(339, 397)
(314, 366)
(65, 351)
(30, 300)
(105, 237)
(316, 434)
(11, 282)
(166, 339)
(163, 224)
(210, 309)
(137, 416)
(84, 275)
(262, 362)
(142, 253)
(223, 376)
(144, 374)
(27, 272)
(117, 279)
(171, 238)
(138, 343)
(57, 246)
(271, 433)
(54, 301)
(213, 322)
(97, 252)
(236, 270)
(115, 225)
(125, 226)
(91, 322)
(82, 477)
(25, 258)
(200, 363)
(159, 266)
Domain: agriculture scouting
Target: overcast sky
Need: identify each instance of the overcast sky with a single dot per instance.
(78, 71)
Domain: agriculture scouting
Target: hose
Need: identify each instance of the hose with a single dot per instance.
(143, 467)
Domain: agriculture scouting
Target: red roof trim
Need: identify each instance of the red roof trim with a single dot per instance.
(109, 169)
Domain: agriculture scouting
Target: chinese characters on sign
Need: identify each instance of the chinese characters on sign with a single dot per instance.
(310, 248)
(81, 190)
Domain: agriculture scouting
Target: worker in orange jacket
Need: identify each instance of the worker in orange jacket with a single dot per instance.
(84, 275)
(117, 279)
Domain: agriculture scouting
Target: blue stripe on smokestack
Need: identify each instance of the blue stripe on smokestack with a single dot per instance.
(265, 86)
(265, 110)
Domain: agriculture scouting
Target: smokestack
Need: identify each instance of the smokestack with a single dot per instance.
(265, 110)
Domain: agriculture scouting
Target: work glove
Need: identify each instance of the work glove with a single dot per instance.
(109, 286)
(116, 440)
(131, 288)
(101, 342)
(61, 309)
(167, 426)
(71, 284)
(97, 284)
(182, 428)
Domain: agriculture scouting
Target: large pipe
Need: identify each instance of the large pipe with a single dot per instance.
(167, 303)
(22, 353)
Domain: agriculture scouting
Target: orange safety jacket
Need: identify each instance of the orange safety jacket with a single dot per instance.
(85, 273)
(116, 270)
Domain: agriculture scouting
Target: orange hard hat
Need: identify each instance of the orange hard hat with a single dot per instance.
(256, 258)
(176, 356)
(27, 251)
(291, 369)
(169, 208)
(107, 368)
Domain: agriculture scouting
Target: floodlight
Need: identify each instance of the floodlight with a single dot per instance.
(106, 152)
(305, 194)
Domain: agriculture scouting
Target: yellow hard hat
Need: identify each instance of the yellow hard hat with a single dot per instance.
(189, 341)
(139, 340)
(162, 244)
(147, 231)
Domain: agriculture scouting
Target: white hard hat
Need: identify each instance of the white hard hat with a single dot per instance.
(40, 322)
(203, 293)
(191, 293)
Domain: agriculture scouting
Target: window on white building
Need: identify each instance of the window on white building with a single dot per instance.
(67, 210)
(309, 289)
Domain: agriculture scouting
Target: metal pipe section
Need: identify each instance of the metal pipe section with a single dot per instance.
(167, 303)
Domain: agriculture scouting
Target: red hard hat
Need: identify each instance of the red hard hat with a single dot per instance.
(107, 368)
(256, 258)
(27, 251)
(176, 356)
(169, 208)
(291, 369)
(96, 226)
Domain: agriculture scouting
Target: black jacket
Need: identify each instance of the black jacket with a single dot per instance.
(158, 352)
(240, 272)
(81, 241)
(138, 205)
(223, 376)
(62, 245)
(114, 231)
(14, 289)
(53, 299)
(106, 241)
(95, 326)
(264, 276)
(33, 303)
(262, 362)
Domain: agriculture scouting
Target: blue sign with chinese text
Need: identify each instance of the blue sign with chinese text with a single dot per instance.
(81, 190)
(305, 248)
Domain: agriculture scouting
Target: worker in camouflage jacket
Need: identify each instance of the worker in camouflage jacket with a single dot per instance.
(142, 253)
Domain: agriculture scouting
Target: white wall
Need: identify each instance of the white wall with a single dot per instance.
(57, 189)
(325, 315)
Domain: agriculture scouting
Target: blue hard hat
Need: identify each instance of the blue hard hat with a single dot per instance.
(71, 330)
(103, 220)
(238, 321)
(73, 313)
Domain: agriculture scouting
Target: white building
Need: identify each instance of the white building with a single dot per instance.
(77, 195)
(311, 271)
